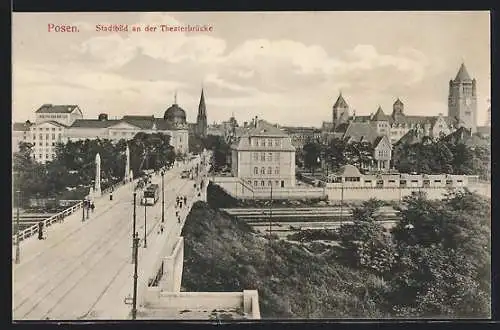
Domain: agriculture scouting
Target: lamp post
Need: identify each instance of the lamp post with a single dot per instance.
(162, 197)
(18, 251)
(145, 229)
(83, 210)
(133, 230)
(134, 298)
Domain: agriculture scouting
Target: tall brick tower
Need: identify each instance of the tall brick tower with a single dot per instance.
(201, 119)
(340, 111)
(462, 100)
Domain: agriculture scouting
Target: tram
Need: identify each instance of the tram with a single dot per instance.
(151, 195)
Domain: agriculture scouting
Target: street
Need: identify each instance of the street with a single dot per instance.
(83, 269)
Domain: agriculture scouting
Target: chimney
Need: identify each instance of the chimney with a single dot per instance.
(256, 121)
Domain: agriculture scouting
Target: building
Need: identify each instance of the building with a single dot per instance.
(462, 110)
(462, 99)
(20, 133)
(264, 156)
(302, 135)
(173, 124)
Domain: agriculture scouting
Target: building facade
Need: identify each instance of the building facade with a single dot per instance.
(20, 133)
(302, 135)
(264, 157)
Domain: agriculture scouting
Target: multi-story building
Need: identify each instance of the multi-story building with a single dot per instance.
(462, 99)
(20, 133)
(302, 135)
(264, 156)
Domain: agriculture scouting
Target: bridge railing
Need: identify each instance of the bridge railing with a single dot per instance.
(30, 231)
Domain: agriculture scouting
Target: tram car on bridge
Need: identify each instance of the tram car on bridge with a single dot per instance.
(151, 195)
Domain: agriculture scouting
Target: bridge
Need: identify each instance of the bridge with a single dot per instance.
(84, 268)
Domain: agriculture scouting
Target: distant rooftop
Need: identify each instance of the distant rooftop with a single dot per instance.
(50, 108)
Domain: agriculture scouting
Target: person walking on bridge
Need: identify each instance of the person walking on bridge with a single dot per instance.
(92, 206)
(185, 200)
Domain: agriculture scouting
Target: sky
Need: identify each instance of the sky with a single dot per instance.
(284, 67)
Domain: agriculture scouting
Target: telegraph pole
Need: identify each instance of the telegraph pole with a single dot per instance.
(271, 213)
(18, 251)
(134, 298)
(162, 197)
(145, 229)
(133, 231)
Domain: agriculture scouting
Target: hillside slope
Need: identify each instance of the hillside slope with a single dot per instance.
(224, 254)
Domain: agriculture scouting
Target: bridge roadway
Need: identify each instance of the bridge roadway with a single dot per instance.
(84, 270)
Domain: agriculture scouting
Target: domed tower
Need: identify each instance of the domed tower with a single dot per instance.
(462, 99)
(175, 114)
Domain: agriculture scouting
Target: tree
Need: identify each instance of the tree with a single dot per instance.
(443, 257)
(312, 152)
(366, 244)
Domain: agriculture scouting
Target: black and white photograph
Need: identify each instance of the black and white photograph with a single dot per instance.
(231, 166)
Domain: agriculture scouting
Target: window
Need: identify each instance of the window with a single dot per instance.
(47, 136)
(437, 181)
(459, 180)
(414, 181)
(270, 142)
(53, 128)
(262, 156)
(46, 144)
(282, 183)
(40, 143)
(276, 143)
(263, 170)
(53, 136)
(392, 181)
(270, 157)
(34, 136)
(449, 181)
(352, 179)
(40, 156)
(269, 170)
(47, 156)
(255, 170)
(262, 183)
(368, 181)
(269, 183)
(277, 170)
(40, 136)
(276, 183)
(256, 141)
(276, 156)
(60, 129)
(59, 136)
(402, 182)
(47, 129)
(255, 183)
(53, 143)
(255, 156)
(467, 113)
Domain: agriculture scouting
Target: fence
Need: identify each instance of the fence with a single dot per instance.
(47, 222)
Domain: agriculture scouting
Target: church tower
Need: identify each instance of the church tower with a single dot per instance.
(340, 111)
(201, 119)
(462, 100)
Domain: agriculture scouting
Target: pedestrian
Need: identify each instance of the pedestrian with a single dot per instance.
(180, 206)
(161, 229)
(92, 206)
(40, 230)
(185, 200)
(177, 214)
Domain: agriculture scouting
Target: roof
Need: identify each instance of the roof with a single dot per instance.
(462, 74)
(398, 102)
(360, 118)
(52, 122)
(174, 111)
(360, 131)
(349, 171)
(93, 123)
(265, 129)
(340, 103)
(21, 126)
(202, 109)
(50, 108)
(411, 137)
(380, 115)
(142, 122)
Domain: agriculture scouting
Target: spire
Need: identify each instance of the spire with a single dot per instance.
(340, 103)
(202, 111)
(175, 97)
(462, 74)
(380, 115)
